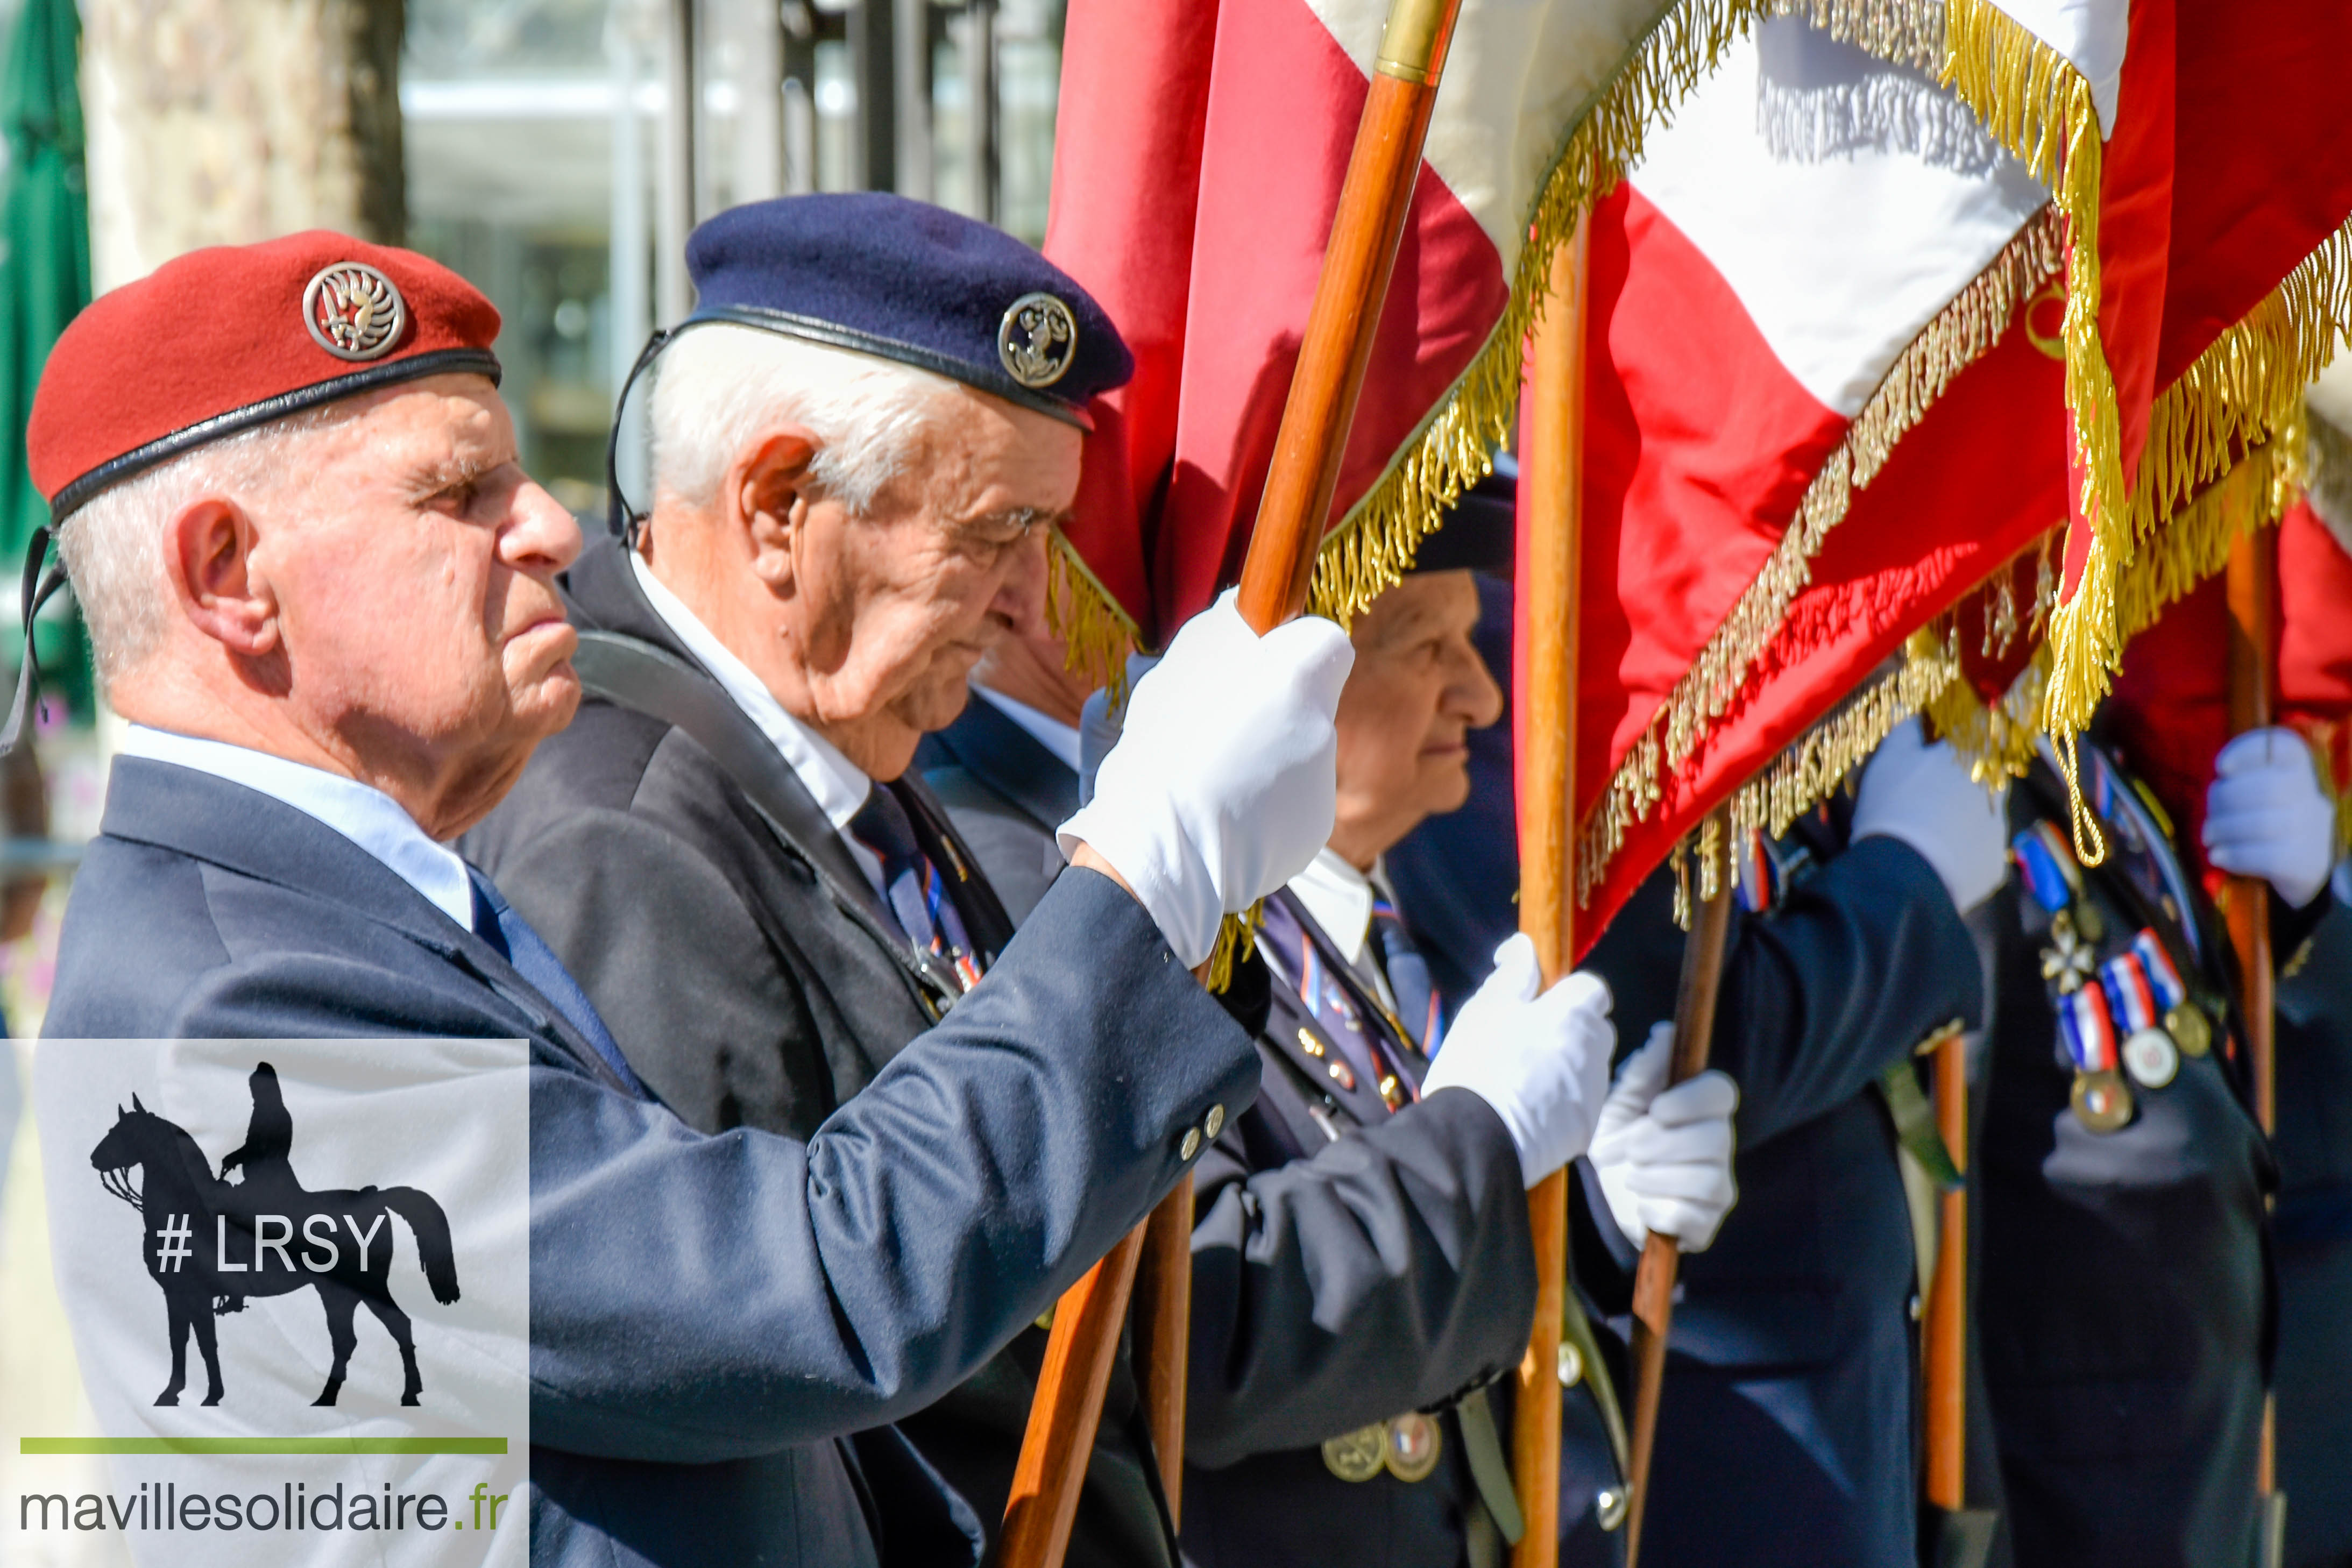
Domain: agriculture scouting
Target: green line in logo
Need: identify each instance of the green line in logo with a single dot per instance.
(282, 1446)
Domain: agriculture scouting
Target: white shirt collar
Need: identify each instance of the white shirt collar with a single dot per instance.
(1341, 898)
(1061, 739)
(361, 814)
(837, 785)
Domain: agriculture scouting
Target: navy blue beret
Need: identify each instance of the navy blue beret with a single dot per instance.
(902, 279)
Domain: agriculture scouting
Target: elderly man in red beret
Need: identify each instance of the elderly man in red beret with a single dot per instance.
(324, 594)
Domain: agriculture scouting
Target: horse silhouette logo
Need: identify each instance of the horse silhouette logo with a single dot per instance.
(212, 1243)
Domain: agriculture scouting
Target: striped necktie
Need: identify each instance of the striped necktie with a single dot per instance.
(916, 894)
(1407, 974)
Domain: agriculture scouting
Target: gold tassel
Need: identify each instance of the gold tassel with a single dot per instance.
(1237, 940)
(1096, 634)
(1997, 739)
(2034, 102)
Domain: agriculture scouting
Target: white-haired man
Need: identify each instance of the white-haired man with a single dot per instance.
(323, 592)
(726, 848)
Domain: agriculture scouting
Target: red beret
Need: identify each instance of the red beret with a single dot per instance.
(228, 337)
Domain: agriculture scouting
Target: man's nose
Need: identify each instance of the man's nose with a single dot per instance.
(1473, 691)
(541, 536)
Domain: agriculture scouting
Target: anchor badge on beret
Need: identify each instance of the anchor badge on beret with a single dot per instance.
(1037, 340)
(353, 311)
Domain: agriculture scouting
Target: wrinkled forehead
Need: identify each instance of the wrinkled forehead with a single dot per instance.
(985, 454)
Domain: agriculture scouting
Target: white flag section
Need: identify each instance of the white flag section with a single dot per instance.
(1846, 201)
(298, 1277)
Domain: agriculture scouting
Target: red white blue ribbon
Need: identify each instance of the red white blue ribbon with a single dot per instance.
(2162, 978)
(2129, 992)
(2090, 1032)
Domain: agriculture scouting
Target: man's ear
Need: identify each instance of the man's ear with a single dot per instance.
(208, 554)
(766, 495)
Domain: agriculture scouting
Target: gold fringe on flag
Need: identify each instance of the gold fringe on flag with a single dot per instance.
(1453, 449)
(1960, 334)
(1096, 634)
(2036, 104)
(2192, 548)
(1822, 759)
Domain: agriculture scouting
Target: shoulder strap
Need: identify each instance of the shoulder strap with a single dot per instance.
(644, 679)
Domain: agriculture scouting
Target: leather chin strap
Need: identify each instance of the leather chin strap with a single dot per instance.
(39, 587)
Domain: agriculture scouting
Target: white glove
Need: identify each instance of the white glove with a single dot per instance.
(1542, 1063)
(1224, 782)
(1664, 1159)
(2266, 815)
(1922, 795)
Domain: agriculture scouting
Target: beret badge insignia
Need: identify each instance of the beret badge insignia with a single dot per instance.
(1038, 340)
(353, 311)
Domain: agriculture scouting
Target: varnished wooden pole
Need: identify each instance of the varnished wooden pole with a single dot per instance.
(1550, 555)
(1163, 1333)
(1654, 1281)
(2253, 682)
(1374, 201)
(1061, 1435)
(1947, 1300)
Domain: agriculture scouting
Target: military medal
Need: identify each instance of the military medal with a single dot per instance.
(2102, 1100)
(1360, 1455)
(1413, 1447)
(2148, 1053)
(2067, 961)
(2183, 1019)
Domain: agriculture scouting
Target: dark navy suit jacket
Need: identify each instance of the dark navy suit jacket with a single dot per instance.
(2314, 1230)
(715, 1319)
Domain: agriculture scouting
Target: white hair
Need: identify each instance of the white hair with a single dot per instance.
(112, 544)
(718, 386)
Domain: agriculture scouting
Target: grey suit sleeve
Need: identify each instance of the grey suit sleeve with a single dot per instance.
(1389, 1272)
(696, 1297)
(1862, 962)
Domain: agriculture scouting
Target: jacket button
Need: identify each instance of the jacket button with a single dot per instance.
(1214, 1123)
(1191, 1145)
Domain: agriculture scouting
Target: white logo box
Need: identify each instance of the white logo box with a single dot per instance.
(379, 1176)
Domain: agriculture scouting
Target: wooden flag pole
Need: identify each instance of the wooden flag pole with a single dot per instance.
(1552, 467)
(1374, 202)
(1654, 1281)
(2253, 704)
(1946, 1333)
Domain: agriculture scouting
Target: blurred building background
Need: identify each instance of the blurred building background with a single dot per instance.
(558, 150)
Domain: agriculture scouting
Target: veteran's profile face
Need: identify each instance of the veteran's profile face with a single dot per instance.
(416, 594)
(1416, 692)
(902, 603)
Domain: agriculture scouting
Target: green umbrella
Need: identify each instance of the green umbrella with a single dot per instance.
(44, 278)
